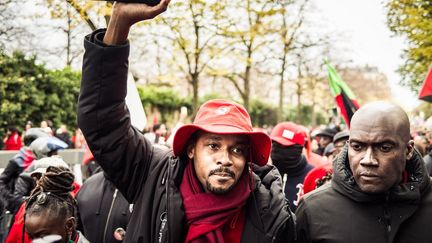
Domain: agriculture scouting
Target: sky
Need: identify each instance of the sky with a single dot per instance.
(369, 40)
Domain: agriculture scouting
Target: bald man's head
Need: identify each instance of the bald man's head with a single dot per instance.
(379, 146)
(383, 114)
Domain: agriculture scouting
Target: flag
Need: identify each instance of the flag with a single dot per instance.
(343, 95)
(426, 91)
(133, 102)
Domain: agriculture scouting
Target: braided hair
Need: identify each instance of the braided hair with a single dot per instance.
(52, 194)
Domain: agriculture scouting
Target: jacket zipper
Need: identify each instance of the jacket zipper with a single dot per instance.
(387, 216)
(109, 214)
(172, 163)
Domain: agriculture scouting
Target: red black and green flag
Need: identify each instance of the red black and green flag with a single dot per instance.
(344, 97)
(426, 91)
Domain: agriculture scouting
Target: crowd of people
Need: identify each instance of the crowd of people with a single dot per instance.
(216, 179)
(14, 136)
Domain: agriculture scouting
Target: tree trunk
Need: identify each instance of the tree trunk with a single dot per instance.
(195, 87)
(281, 100)
(69, 37)
(299, 105)
(314, 103)
(246, 84)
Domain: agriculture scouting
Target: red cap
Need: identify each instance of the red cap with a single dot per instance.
(310, 180)
(224, 117)
(288, 133)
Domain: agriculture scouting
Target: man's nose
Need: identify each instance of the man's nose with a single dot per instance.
(369, 158)
(223, 158)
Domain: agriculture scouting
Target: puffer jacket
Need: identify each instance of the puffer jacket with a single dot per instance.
(149, 177)
(102, 210)
(340, 212)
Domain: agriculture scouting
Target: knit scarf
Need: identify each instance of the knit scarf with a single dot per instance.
(208, 213)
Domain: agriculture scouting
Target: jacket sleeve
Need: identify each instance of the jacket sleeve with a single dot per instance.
(23, 187)
(11, 172)
(121, 150)
(302, 224)
(7, 178)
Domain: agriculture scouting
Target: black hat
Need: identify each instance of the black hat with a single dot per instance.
(329, 149)
(326, 132)
(340, 135)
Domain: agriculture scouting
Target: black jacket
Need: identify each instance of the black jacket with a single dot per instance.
(293, 177)
(428, 161)
(102, 209)
(340, 212)
(7, 184)
(149, 177)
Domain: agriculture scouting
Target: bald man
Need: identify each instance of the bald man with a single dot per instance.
(380, 191)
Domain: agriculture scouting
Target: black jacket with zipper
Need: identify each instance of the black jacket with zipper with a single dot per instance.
(102, 209)
(340, 212)
(148, 176)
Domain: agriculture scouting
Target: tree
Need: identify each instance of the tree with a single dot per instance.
(29, 91)
(193, 26)
(77, 15)
(12, 31)
(311, 89)
(305, 115)
(87, 11)
(162, 100)
(367, 83)
(262, 114)
(288, 33)
(413, 20)
(246, 33)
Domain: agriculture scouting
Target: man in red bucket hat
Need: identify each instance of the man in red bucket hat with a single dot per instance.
(214, 186)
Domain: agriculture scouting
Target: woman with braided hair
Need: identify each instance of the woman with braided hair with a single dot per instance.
(51, 209)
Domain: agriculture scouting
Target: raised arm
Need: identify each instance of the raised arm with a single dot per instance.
(121, 150)
(127, 14)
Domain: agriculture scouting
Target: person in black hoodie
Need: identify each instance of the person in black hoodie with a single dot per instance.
(287, 155)
(380, 190)
(103, 211)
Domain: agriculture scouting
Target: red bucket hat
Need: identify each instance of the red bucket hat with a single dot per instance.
(224, 117)
(288, 133)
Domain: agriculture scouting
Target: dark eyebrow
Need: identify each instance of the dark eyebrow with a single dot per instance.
(386, 141)
(354, 141)
(213, 137)
(240, 141)
(389, 141)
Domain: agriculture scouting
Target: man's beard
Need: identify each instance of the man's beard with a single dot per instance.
(220, 191)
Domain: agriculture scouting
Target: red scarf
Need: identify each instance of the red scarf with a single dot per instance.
(208, 213)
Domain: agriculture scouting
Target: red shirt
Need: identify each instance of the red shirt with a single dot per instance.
(13, 142)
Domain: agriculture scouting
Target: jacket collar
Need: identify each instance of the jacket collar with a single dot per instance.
(411, 191)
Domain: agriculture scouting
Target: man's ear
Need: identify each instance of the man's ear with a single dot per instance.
(70, 224)
(410, 149)
(190, 150)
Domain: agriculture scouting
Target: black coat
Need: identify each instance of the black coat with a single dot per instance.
(102, 209)
(428, 161)
(340, 212)
(149, 177)
(7, 184)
